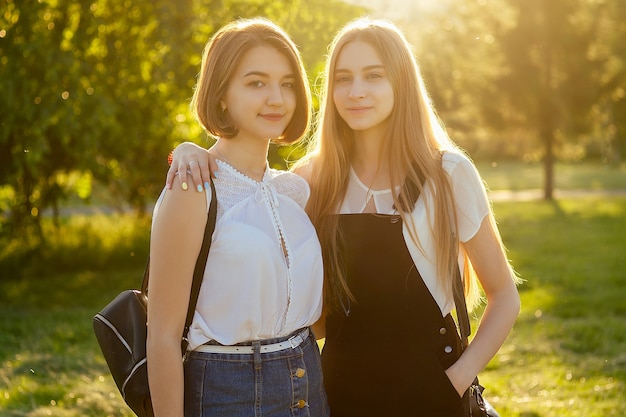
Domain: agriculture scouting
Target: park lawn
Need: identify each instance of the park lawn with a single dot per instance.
(567, 353)
(518, 176)
(565, 357)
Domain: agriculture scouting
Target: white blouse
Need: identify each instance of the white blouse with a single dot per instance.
(472, 205)
(264, 273)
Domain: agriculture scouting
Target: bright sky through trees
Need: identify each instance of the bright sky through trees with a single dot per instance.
(400, 10)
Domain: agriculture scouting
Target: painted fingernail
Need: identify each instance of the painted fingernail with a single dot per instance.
(206, 185)
(199, 188)
(184, 185)
(168, 185)
(216, 174)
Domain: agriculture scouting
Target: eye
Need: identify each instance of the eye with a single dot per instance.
(374, 75)
(288, 84)
(256, 83)
(342, 79)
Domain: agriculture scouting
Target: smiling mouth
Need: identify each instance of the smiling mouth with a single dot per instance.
(272, 117)
(358, 109)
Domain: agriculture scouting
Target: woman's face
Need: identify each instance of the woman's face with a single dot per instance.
(362, 93)
(261, 96)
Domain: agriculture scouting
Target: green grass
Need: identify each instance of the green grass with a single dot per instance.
(52, 367)
(566, 356)
(567, 353)
(50, 364)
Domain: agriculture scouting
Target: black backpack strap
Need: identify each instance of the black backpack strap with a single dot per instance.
(198, 272)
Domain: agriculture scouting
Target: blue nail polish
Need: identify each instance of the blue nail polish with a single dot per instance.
(206, 185)
(216, 174)
(199, 188)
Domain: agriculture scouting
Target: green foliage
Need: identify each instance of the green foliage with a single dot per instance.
(457, 50)
(95, 93)
(81, 242)
(504, 74)
(552, 67)
(528, 79)
(100, 89)
(95, 87)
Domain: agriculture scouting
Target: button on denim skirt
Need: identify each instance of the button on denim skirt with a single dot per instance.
(278, 384)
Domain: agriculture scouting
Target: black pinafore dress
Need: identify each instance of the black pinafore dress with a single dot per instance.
(387, 356)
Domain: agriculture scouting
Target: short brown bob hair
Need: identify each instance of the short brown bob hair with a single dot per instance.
(220, 58)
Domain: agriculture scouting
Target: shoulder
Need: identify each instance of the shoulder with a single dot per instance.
(172, 202)
(305, 168)
(291, 185)
(460, 168)
(469, 190)
(452, 160)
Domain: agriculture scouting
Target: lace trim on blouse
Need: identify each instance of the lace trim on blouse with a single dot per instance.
(234, 186)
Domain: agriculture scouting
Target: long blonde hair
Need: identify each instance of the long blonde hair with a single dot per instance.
(414, 143)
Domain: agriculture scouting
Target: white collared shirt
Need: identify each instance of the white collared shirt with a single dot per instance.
(471, 206)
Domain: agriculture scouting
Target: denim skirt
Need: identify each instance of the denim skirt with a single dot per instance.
(278, 384)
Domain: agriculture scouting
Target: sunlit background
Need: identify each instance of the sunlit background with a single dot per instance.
(95, 93)
(526, 80)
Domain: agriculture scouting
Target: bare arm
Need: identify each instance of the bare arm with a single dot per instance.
(503, 305)
(319, 327)
(171, 272)
(191, 158)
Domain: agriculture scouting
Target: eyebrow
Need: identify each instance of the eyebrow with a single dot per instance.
(366, 68)
(264, 74)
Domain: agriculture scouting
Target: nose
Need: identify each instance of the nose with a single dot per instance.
(357, 90)
(275, 96)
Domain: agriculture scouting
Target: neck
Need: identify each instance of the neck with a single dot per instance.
(249, 158)
(368, 163)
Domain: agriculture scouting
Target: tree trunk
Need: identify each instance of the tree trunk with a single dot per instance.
(547, 120)
(548, 140)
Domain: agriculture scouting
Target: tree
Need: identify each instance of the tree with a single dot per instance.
(611, 110)
(90, 88)
(526, 79)
(141, 56)
(458, 57)
(552, 77)
(39, 130)
(96, 92)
